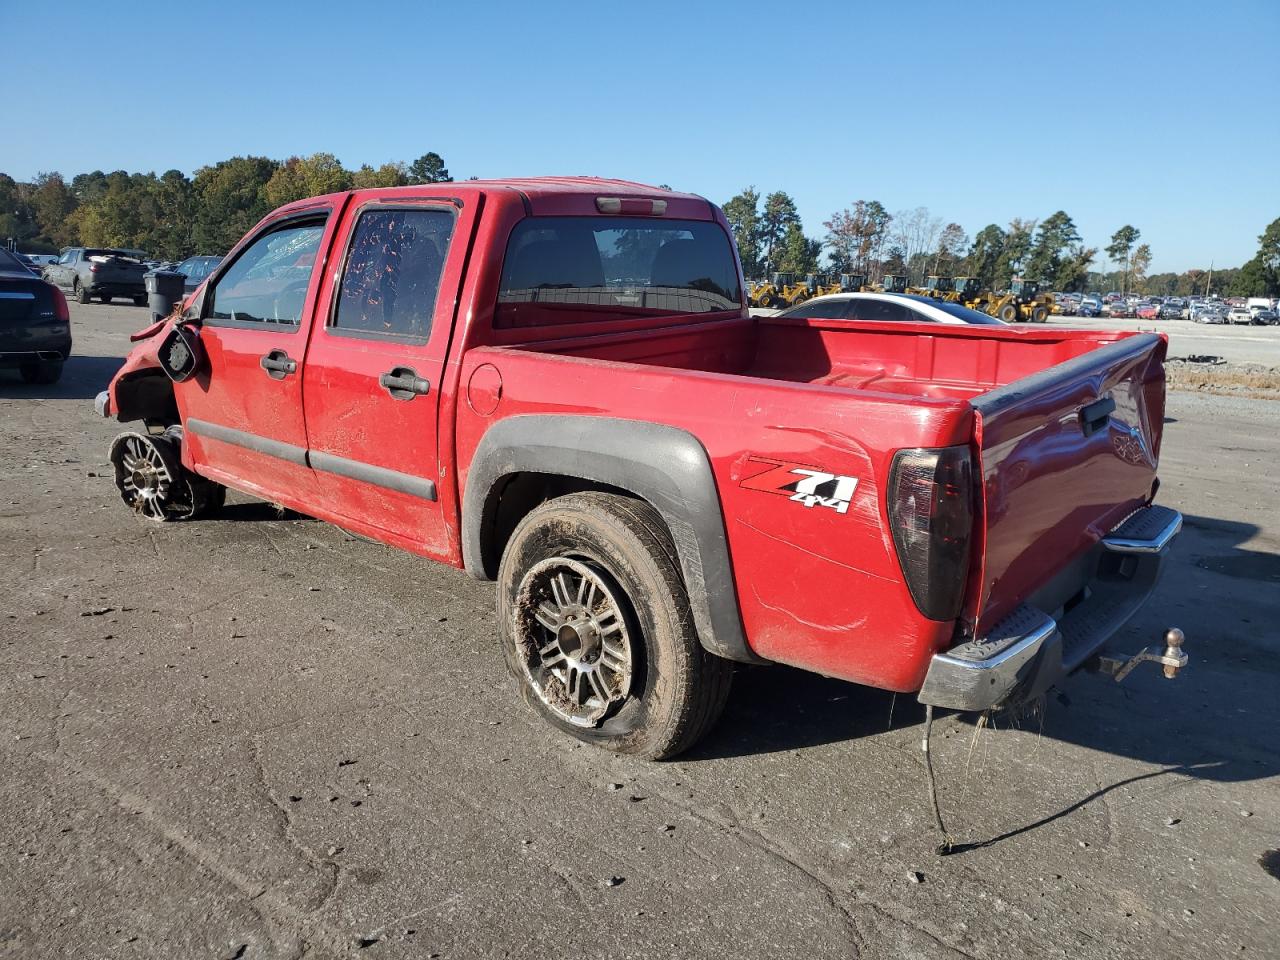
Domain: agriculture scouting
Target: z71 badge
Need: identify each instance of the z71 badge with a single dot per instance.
(802, 484)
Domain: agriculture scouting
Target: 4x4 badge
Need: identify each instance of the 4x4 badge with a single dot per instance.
(804, 485)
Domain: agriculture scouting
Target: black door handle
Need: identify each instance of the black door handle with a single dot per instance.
(1095, 416)
(278, 365)
(403, 383)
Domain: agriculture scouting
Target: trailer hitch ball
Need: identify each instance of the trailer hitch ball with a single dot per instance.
(1173, 640)
(1173, 659)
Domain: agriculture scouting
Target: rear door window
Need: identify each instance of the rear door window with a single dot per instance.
(392, 274)
(576, 269)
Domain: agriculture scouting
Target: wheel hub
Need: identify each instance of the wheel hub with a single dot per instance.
(148, 476)
(574, 640)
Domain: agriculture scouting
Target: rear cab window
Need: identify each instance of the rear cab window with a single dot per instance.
(564, 270)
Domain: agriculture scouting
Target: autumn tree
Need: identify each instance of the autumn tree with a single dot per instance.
(301, 177)
(916, 233)
(1054, 237)
(1260, 276)
(952, 242)
(799, 253)
(1120, 250)
(984, 254)
(856, 237)
(429, 168)
(778, 216)
(387, 175)
(1013, 252)
(743, 214)
(230, 200)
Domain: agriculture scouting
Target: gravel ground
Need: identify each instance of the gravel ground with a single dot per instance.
(256, 737)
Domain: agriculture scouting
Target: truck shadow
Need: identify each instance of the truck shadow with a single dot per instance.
(82, 379)
(1215, 722)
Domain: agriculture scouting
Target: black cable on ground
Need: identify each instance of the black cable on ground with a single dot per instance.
(947, 845)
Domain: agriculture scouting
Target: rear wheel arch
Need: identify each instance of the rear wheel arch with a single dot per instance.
(523, 461)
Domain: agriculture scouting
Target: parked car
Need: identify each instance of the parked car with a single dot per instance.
(1171, 310)
(27, 262)
(35, 324)
(196, 269)
(1209, 312)
(888, 307)
(1090, 306)
(1117, 309)
(1147, 311)
(100, 272)
(488, 376)
(41, 260)
(1240, 314)
(1266, 317)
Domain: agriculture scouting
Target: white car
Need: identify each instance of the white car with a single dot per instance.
(901, 307)
(1240, 315)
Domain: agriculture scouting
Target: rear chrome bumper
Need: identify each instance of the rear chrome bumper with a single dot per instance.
(1063, 626)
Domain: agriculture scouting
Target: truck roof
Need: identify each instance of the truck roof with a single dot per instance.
(531, 188)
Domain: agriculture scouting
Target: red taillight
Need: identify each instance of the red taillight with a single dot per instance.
(60, 309)
(931, 515)
(93, 268)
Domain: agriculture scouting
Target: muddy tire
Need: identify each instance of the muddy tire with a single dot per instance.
(1039, 315)
(81, 294)
(1008, 313)
(155, 485)
(596, 628)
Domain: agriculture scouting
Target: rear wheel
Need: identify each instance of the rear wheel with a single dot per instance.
(1008, 313)
(153, 482)
(596, 627)
(81, 294)
(41, 371)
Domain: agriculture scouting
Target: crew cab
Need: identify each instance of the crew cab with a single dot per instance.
(556, 384)
(104, 273)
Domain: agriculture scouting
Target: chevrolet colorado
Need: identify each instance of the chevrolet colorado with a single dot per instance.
(556, 384)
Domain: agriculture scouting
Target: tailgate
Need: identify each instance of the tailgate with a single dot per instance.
(1066, 455)
(116, 269)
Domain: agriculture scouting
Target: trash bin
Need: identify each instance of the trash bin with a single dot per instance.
(164, 289)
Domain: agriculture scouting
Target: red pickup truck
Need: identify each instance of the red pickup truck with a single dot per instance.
(556, 384)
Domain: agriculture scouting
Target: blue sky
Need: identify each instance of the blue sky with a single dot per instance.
(1161, 114)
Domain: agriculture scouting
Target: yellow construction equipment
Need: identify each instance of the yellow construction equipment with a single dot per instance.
(968, 291)
(853, 282)
(892, 283)
(821, 284)
(1024, 301)
(766, 293)
(939, 288)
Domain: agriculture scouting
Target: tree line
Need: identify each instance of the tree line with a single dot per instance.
(172, 216)
(867, 239)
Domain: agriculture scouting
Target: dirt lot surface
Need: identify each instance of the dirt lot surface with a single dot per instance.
(255, 737)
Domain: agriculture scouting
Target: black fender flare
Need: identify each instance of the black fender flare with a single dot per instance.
(661, 464)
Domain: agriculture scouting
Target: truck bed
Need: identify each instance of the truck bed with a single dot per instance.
(930, 361)
(845, 397)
